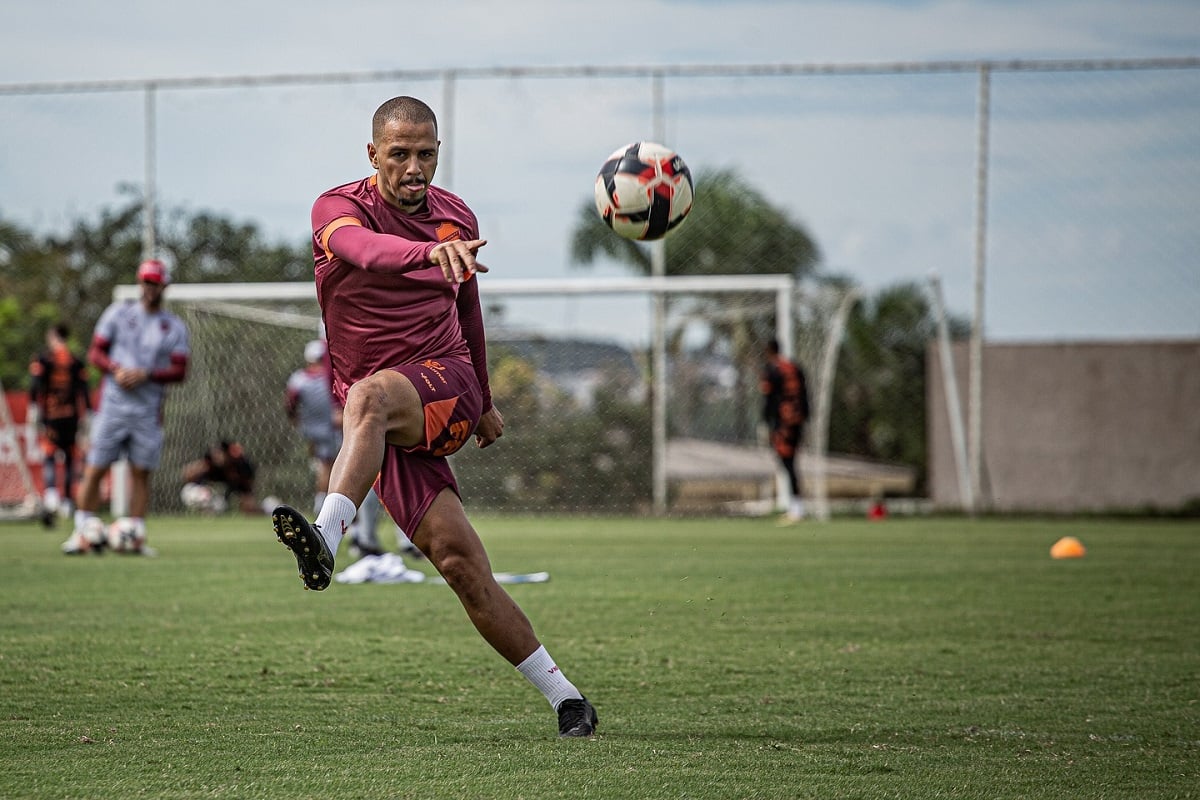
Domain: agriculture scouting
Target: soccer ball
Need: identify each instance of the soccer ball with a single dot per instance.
(125, 536)
(196, 496)
(201, 497)
(93, 535)
(643, 191)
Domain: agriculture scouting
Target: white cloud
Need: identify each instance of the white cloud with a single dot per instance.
(881, 169)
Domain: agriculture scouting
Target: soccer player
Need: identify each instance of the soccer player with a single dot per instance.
(395, 268)
(785, 411)
(140, 348)
(59, 404)
(310, 408)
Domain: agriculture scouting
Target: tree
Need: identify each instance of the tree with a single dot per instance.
(879, 391)
(71, 276)
(733, 228)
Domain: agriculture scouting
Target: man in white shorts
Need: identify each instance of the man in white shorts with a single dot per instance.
(139, 348)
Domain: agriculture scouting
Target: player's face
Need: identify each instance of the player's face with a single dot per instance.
(152, 295)
(406, 155)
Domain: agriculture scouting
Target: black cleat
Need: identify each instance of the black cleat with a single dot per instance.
(576, 718)
(307, 544)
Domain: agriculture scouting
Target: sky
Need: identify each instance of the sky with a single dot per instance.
(880, 170)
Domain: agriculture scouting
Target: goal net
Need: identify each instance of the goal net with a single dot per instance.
(573, 370)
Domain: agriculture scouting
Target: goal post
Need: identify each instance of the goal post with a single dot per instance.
(571, 370)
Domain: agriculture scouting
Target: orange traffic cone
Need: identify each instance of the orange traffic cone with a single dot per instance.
(1068, 547)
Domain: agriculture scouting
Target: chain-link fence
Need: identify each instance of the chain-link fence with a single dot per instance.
(1056, 198)
(580, 434)
(1092, 166)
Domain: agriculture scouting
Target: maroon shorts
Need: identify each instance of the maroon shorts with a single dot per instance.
(411, 477)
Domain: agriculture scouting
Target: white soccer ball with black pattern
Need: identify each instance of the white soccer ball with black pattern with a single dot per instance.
(643, 191)
(94, 535)
(126, 536)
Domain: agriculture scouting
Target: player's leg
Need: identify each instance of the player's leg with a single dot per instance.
(139, 491)
(69, 476)
(384, 408)
(108, 442)
(87, 500)
(50, 494)
(450, 542)
(363, 535)
(321, 469)
(787, 441)
(448, 539)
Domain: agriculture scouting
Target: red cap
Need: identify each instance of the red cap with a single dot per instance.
(154, 271)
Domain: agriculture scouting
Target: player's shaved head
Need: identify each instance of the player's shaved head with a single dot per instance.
(402, 109)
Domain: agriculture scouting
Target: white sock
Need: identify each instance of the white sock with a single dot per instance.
(82, 517)
(337, 512)
(50, 499)
(543, 673)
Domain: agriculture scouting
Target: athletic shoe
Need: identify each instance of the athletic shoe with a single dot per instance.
(48, 518)
(306, 543)
(576, 718)
(76, 544)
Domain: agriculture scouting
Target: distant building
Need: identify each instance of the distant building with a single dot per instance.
(578, 367)
(1076, 427)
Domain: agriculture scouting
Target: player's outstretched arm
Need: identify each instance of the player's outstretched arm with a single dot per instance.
(456, 258)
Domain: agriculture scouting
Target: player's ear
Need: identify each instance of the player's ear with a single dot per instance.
(371, 155)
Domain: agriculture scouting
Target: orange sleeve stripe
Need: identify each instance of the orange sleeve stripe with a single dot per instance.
(333, 226)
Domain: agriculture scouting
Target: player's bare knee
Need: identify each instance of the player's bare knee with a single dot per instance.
(465, 575)
(367, 404)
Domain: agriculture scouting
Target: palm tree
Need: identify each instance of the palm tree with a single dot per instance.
(733, 228)
(879, 392)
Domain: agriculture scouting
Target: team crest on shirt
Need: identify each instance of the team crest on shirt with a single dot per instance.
(448, 232)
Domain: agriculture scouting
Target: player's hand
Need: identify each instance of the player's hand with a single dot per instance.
(490, 427)
(130, 377)
(456, 259)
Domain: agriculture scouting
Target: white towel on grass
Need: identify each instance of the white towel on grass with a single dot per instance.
(386, 568)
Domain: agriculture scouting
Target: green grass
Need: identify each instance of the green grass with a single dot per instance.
(927, 658)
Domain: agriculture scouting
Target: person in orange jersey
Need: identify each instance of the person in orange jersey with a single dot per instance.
(785, 411)
(60, 406)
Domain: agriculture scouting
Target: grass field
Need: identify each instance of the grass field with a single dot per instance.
(918, 658)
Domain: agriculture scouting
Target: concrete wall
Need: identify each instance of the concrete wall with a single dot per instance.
(1076, 426)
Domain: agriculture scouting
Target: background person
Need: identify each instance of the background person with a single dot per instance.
(226, 470)
(313, 412)
(140, 349)
(59, 407)
(785, 412)
(394, 263)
